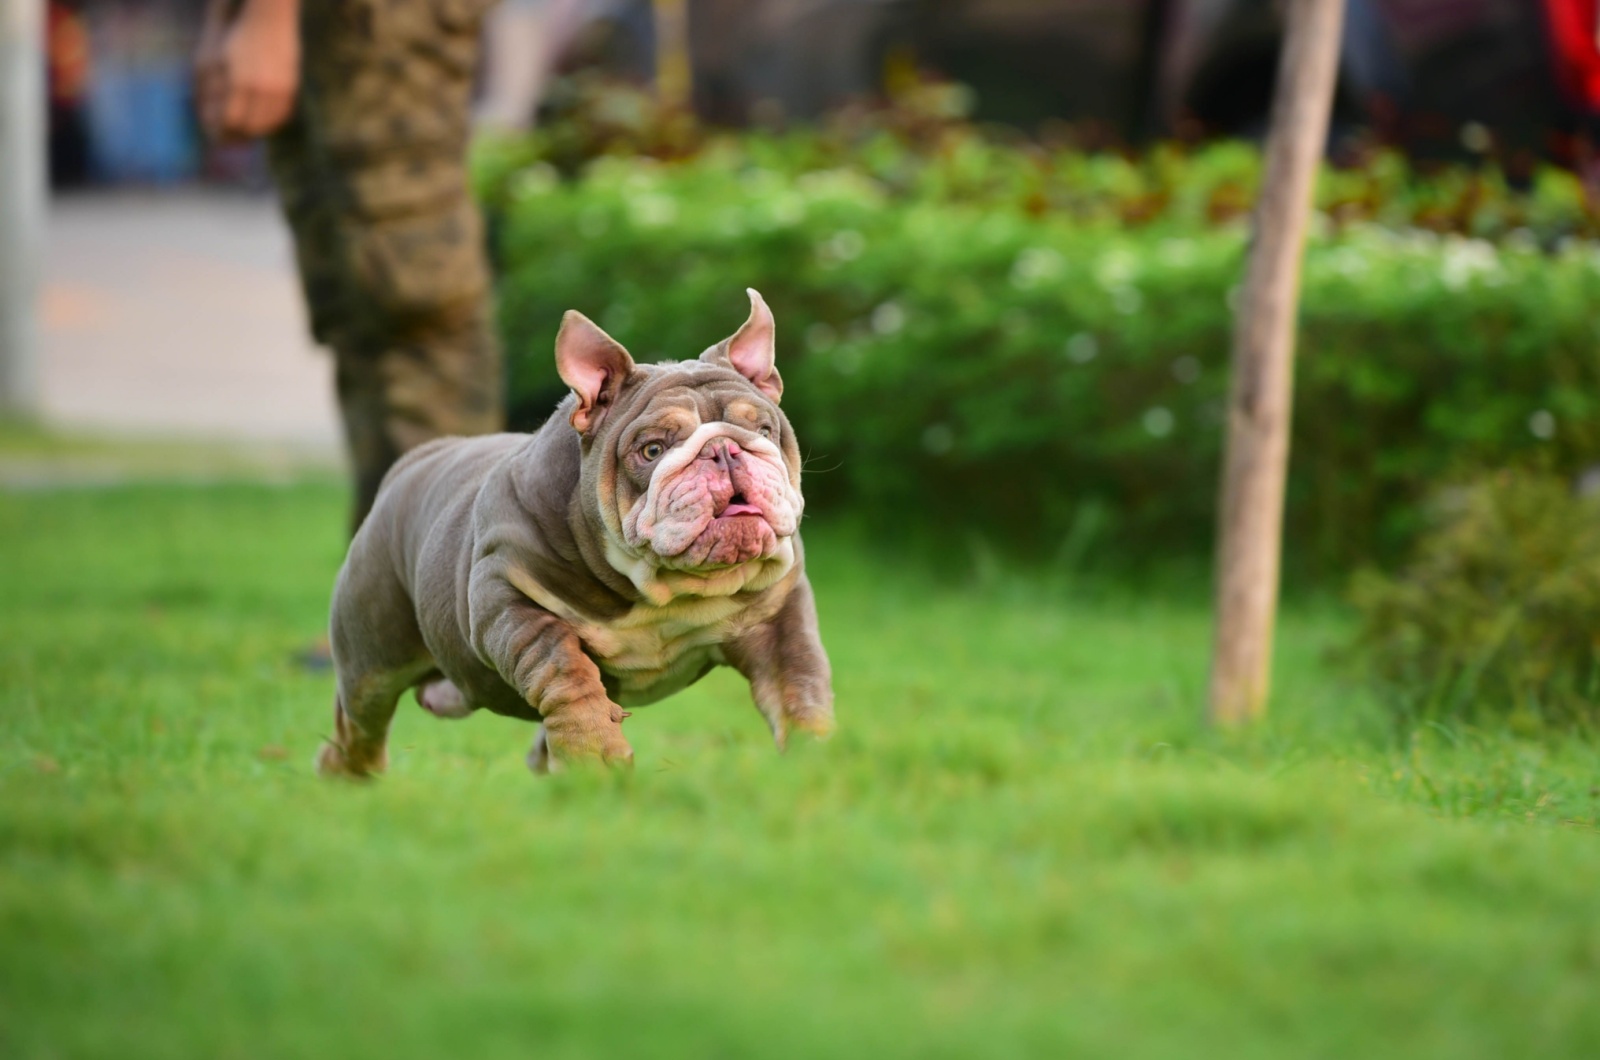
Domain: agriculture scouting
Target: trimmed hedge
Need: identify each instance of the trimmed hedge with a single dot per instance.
(919, 147)
(1058, 377)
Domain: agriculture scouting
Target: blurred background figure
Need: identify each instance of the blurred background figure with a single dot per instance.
(119, 92)
(1414, 74)
(1575, 32)
(1521, 73)
(368, 107)
(67, 68)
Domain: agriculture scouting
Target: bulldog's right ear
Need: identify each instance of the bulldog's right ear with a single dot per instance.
(750, 351)
(593, 364)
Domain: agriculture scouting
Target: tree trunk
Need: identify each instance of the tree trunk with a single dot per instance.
(1257, 457)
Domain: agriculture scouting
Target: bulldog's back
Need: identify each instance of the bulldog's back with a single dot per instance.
(430, 492)
(421, 523)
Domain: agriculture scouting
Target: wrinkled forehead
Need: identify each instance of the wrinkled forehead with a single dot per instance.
(684, 396)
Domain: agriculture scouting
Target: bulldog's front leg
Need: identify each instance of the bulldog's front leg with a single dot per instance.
(784, 661)
(542, 658)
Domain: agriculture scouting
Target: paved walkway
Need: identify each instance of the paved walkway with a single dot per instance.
(177, 316)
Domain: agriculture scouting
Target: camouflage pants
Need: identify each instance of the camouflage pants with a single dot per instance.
(372, 172)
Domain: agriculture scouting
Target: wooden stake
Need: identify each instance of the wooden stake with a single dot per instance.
(1257, 458)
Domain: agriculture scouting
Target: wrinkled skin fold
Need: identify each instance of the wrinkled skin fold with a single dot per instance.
(721, 498)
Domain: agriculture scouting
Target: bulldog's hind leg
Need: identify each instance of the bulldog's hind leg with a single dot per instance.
(378, 653)
(359, 744)
(361, 715)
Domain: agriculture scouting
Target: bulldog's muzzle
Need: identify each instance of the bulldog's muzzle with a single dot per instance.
(720, 498)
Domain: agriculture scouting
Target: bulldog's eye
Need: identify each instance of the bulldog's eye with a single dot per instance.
(766, 432)
(651, 451)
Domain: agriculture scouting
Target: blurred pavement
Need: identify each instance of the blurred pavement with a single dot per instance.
(177, 315)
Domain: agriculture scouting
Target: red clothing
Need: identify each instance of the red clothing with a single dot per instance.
(67, 54)
(1573, 28)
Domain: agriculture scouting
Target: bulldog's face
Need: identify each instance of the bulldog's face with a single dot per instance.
(691, 466)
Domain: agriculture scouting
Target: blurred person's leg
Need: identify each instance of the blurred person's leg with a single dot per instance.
(372, 169)
(412, 389)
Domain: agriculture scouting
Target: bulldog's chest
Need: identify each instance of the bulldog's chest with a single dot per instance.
(653, 651)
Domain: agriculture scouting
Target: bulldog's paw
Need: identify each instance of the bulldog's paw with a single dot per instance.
(817, 720)
(804, 704)
(588, 736)
(561, 753)
(335, 760)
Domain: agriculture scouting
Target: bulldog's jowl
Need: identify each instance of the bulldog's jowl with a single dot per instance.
(645, 534)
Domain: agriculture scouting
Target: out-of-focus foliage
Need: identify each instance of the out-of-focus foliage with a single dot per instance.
(1498, 613)
(985, 337)
(921, 148)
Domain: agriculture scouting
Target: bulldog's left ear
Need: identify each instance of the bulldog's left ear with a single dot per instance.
(593, 364)
(752, 349)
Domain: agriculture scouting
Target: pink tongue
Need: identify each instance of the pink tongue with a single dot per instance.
(741, 509)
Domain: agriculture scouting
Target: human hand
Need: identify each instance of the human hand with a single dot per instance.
(247, 69)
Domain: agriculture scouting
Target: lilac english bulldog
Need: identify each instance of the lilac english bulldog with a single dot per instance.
(645, 534)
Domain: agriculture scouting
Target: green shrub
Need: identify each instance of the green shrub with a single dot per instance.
(921, 148)
(1497, 615)
(970, 368)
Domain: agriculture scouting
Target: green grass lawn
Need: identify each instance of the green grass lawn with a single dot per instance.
(1020, 843)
